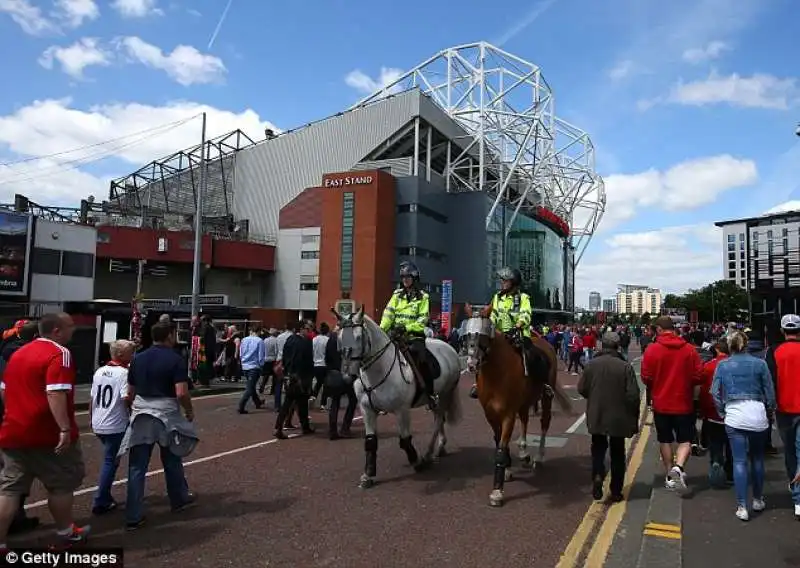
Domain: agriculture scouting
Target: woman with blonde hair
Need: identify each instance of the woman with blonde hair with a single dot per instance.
(743, 394)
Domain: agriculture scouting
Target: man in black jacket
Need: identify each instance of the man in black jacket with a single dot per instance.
(298, 370)
(27, 333)
(337, 387)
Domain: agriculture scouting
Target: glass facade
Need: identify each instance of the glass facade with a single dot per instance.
(348, 218)
(537, 251)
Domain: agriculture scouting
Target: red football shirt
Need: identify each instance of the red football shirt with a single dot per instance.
(35, 369)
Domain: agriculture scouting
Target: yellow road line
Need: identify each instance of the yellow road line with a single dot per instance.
(662, 534)
(605, 536)
(662, 527)
(595, 514)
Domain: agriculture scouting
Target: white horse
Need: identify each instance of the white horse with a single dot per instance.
(385, 382)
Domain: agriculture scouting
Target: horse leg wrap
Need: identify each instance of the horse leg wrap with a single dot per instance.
(408, 447)
(548, 391)
(371, 449)
(502, 459)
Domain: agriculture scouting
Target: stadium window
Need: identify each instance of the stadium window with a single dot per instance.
(731, 238)
(309, 254)
(731, 247)
(79, 264)
(46, 261)
(309, 286)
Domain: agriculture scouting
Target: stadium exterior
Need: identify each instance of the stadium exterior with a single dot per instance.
(460, 165)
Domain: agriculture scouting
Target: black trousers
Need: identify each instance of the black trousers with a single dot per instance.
(615, 447)
(333, 411)
(719, 448)
(296, 395)
(268, 373)
(575, 359)
(416, 346)
(319, 385)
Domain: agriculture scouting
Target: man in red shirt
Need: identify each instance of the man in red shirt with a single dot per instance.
(671, 368)
(39, 436)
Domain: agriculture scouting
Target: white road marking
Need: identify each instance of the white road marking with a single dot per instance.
(88, 490)
(577, 424)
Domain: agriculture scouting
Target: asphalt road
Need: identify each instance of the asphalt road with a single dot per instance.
(296, 502)
(711, 532)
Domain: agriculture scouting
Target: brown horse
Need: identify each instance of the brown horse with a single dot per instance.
(506, 393)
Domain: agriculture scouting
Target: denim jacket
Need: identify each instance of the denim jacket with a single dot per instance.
(742, 377)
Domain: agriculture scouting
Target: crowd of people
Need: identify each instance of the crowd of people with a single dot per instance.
(735, 385)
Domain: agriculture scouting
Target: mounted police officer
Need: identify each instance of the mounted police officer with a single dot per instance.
(511, 311)
(407, 315)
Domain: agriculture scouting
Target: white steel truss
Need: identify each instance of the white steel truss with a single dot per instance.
(518, 151)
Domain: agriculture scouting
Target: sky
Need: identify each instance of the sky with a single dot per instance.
(692, 105)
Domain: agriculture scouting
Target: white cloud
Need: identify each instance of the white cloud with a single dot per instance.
(789, 206)
(84, 53)
(673, 259)
(29, 17)
(75, 12)
(185, 64)
(360, 81)
(687, 185)
(757, 91)
(33, 21)
(712, 50)
(621, 70)
(136, 8)
(47, 127)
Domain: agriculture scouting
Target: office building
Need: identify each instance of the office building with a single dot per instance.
(609, 305)
(595, 301)
(636, 300)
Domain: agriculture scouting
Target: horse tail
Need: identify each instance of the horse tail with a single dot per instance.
(562, 398)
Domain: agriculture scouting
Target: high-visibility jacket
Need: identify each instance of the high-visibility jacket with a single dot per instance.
(510, 309)
(410, 309)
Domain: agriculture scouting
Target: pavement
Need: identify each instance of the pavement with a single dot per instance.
(264, 502)
(659, 528)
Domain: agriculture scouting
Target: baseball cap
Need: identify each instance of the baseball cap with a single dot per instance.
(790, 322)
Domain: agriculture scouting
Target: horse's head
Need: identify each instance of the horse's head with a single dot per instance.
(477, 336)
(353, 340)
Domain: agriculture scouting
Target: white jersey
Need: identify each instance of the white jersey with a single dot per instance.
(109, 389)
(319, 343)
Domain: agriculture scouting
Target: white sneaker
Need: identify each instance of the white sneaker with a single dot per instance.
(678, 477)
(742, 514)
(759, 505)
(670, 484)
(797, 512)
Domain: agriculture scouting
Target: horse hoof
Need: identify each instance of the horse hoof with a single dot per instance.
(367, 483)
(509, 476)
(527, 462)
(496, 498)
(538, 463)
(442, 453)
(422, 465)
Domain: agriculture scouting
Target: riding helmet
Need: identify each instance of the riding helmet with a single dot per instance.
(512, 274)
(409, 269)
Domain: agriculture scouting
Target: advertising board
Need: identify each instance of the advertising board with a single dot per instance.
(15, 250)
(447, 304)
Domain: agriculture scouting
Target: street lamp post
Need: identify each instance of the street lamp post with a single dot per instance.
(198, 235)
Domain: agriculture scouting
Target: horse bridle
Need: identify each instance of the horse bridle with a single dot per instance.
(366, 363)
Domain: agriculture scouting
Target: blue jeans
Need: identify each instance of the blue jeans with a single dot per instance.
(138, 463)
(251, 376)
(787, 426)
(108, 471)
(747, 446)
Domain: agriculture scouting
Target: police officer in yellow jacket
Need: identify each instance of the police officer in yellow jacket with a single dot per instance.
(511, 309)
(407, 313)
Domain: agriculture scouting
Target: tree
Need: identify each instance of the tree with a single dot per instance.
(719, 301)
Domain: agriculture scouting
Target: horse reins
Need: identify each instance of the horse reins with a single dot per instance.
(367, 362)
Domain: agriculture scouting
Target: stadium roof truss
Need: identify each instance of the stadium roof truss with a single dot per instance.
(168, 187)
(517, 151)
